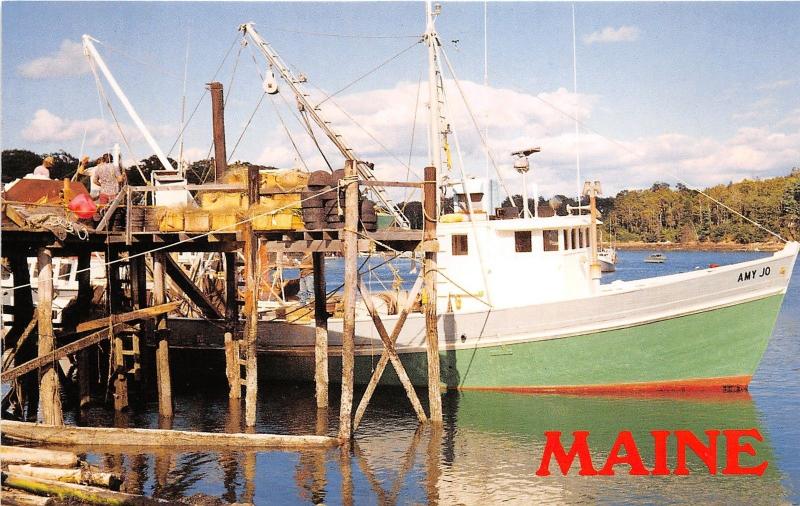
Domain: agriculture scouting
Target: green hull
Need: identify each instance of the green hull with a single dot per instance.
(717, 348)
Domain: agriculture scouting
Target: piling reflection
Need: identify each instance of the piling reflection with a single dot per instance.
(487, 451)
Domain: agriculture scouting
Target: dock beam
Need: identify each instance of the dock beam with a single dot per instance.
(50, 392)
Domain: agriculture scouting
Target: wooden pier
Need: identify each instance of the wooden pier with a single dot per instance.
(133, 339)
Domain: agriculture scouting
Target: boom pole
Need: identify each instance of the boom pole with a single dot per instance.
(91, 52)
(315, 111)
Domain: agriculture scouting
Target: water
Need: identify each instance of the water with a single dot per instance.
(490, 445)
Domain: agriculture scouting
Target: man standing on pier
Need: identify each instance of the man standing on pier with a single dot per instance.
(43, 170)
(306, 278)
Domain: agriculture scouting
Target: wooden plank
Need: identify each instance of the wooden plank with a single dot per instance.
(213, 187)
(91, 436)
(109, 211)
(385, 355)
(49, 386)
(54, 355)
(391, 184)
(179, 276)
(320, 331)
(429, 269)
(139, 314)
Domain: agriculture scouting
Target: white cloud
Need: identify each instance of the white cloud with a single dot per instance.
(68, 61)
(516, 120)
(46, 127)
(610, 34)
(776, 85)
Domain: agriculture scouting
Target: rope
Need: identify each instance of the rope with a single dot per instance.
(347, 36)
(278, 112)
(101, 89)
(249, 120)
(475, 123)
(411, 146)
(224, 59)
(374, 69)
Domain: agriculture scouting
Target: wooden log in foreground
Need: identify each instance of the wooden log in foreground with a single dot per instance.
(18, 454)
(25, 431)
(19, 498)
(71, 491)
(81, 475)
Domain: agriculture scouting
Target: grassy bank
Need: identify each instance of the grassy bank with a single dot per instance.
(699, 246)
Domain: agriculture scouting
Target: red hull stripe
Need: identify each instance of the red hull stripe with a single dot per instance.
(725, 383)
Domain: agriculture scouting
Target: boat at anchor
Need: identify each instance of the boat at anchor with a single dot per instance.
(521, 307)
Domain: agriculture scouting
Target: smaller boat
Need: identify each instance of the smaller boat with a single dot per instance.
(608, 259)
(655, 258)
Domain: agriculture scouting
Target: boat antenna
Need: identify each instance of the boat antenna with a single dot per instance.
(578, 185)
(181, 163)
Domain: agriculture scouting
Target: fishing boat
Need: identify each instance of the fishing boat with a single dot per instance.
(655, 258)
(608, 259)
(520, 304)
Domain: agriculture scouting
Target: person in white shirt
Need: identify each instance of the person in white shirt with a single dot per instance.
(43, 170)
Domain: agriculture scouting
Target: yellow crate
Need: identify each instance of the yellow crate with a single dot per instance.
(225, 221)
(196, 220)
(282, 180)
(170, 219)
(213, 201)
(297, 222)
(266, 220)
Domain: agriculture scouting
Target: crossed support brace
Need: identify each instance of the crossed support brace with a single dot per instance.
(389, 353)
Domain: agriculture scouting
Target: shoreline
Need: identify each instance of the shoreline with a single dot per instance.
(699, 246)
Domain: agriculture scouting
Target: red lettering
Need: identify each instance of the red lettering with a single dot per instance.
(553, 448)
(631, 457)
(708, 454)
(660, 448)
(734, 448)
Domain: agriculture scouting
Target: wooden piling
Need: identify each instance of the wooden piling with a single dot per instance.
(321, 331)
(84, 299)
(23, 316)
(114, 294)
(218, 127)
(163, 377)
(430, 246)
(49, 388)
(232, 367)
(251, 304)
(349, 299)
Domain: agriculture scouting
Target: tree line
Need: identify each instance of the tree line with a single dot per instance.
(657, 214)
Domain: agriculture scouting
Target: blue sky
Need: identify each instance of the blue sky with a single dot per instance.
(705, 91)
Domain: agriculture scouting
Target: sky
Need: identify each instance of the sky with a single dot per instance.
(704, 93)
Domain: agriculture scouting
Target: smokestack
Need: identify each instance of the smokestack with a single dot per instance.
(218, 125)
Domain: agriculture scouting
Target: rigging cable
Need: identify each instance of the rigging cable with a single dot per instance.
(116, 121)
(278, 113)
(371, 71)
(475, 123)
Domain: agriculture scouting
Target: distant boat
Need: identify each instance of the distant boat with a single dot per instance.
(608, 259)
(656, 258)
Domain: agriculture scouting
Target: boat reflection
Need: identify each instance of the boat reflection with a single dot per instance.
(487, 451)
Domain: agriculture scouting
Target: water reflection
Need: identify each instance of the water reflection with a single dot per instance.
(487, 451)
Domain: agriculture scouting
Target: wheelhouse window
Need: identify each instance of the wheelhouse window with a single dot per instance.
(460, 245)
(523, 241)
(550, 240)
(567, 239)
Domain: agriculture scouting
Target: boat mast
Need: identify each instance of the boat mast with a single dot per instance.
(434, 97)
(91, 52)
(315, 111)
